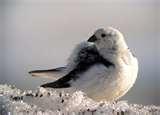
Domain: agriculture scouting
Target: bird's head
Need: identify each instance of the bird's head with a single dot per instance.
(109, 39)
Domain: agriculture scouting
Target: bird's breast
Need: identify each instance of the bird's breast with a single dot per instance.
(101, 83)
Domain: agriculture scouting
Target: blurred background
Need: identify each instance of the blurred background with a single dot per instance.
(40, 34)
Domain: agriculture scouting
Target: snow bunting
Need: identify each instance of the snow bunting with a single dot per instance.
(103, 67)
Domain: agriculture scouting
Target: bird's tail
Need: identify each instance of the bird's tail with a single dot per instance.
(56, 84)
(51, 73)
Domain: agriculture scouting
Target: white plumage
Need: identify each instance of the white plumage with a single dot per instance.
(103, 67)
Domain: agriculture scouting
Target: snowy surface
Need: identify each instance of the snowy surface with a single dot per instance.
(52, 102)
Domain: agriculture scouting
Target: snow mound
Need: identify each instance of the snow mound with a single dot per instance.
(42, 101)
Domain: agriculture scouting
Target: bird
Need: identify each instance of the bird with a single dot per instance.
(103, 67)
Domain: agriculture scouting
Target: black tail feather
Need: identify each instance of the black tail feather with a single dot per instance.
(56, 84)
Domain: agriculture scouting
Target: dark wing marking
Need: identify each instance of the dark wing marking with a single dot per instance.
(52, 73)
(58, 84)
(87, 57)
(49, 70)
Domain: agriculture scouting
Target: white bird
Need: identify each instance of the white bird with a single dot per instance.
(103, 67)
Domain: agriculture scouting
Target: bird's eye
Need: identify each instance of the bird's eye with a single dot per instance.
(103, 35)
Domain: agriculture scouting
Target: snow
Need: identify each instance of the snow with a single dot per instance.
(42, 101)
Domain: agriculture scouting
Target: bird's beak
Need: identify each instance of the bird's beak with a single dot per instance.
(92, 39)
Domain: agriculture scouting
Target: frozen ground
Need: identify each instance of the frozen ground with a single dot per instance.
(50, 102)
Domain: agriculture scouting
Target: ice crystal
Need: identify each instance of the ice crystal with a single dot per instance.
(43, 101)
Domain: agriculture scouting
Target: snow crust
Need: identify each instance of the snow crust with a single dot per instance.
(42, 101)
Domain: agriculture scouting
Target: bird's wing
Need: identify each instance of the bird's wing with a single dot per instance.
(86, 57)
(50, 73)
